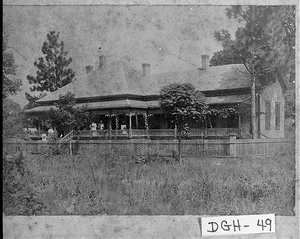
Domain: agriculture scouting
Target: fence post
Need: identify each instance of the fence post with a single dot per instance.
(70, 148)
(232, 145)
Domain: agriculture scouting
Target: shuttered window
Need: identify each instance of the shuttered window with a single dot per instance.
(277, 115)
(268, 115)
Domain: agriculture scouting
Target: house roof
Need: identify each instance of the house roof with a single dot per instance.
(118, 78)
(110, 86)
(214, 78)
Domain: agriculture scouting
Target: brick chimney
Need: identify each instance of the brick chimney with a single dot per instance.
(146, 69)
(101, 61)
(88, 69)
(205, 62)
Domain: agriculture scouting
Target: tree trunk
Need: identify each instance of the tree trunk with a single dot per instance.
(253, 110)
(179, 146)
(210, 124)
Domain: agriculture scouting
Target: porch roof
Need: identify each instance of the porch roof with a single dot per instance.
(228, 99)
(104, 105)
(139, 104)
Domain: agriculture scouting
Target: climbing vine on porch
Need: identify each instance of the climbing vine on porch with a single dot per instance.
(226, 112)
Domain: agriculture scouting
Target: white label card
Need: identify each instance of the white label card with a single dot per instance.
(234, 225)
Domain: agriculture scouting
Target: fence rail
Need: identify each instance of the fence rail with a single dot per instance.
(215, 148)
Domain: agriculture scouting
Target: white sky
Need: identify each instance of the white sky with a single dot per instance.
(169, 37)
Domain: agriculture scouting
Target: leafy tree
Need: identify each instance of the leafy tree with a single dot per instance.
(32, 100)
(255, 46)
(66, 117)
(222, 58)
(10, 86)
(290, 101)
(52, 67)
(181, 103)
(12, 119)
(286, 52)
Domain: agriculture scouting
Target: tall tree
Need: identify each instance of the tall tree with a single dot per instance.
(52, 67)
(66, 117)
(283, 34)
(10, 86)
(181, 103)
(255, 46)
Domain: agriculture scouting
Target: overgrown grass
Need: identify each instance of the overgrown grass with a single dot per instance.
(114, 185)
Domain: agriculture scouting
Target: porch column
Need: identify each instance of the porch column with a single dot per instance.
(145, 115)
(117, 121)
(239, 125)
(136, 121)
(130, 127)
(39, 127)
(109, 124)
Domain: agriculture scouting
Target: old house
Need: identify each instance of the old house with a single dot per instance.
(126, 98)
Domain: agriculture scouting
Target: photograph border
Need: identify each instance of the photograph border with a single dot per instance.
(20, 221)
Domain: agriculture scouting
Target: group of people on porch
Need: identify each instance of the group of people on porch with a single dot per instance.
(94, 128)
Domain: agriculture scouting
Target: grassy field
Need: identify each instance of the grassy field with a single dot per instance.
(114, 185)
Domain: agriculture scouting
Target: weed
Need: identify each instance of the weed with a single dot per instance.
(110, 184)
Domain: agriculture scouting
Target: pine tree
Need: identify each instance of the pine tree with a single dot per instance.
(52, 67)
(262, 45)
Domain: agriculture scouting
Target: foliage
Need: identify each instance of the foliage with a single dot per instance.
(10, 86)
(280, 25)
(120, 186)
(290, 99)
(264, 45)
(12, 119)
(181, 103)
(222, 112)
(32, 100)
(52, 67)
(20, 195)
(66, 116)
(266, 42)
(222, 58)
(251, 44)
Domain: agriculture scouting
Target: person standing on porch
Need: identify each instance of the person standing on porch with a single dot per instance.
(93, 128)
(50, 134)
(101, 125)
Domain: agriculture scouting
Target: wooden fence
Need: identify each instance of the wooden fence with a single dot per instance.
(214, 148)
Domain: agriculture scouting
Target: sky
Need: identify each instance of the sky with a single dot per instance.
(169, 37)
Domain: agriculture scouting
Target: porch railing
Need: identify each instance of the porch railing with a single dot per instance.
(68, 137)
(125, 133)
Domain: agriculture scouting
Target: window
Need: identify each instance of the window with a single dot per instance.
(277, 115)
(268, 115)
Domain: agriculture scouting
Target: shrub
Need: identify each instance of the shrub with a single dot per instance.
(19, 195)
